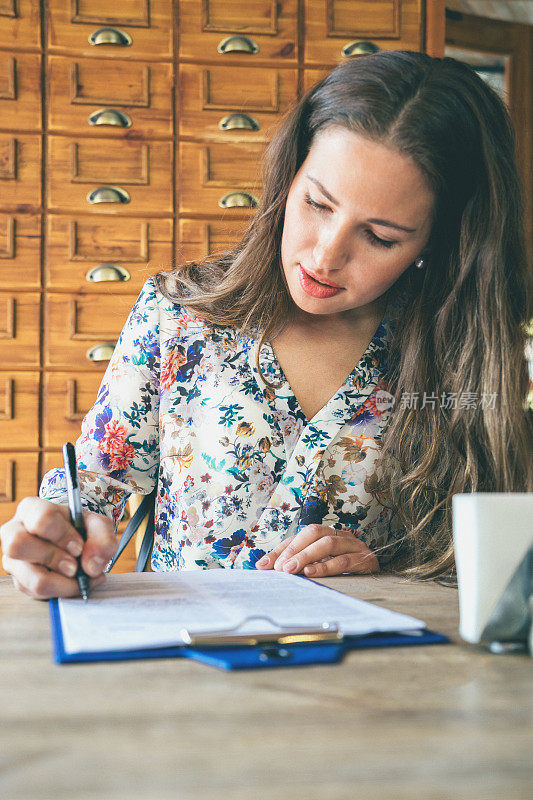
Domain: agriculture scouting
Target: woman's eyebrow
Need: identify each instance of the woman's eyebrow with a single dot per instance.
(384, 222)
(389, 224)
(322, 189)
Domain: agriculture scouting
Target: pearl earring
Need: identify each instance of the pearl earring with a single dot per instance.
(419, 263)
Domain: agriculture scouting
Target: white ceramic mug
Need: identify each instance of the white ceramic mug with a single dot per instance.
(493, 542)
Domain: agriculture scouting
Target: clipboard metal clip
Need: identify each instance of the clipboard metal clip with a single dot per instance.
(285, 635)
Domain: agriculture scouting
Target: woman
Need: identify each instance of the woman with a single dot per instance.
(311, 400)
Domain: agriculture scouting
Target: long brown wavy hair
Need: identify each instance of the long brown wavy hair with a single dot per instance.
(462, 317)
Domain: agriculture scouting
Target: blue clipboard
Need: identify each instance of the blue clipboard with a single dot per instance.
(245, 657)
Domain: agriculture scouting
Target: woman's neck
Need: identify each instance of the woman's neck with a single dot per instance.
(346, 323)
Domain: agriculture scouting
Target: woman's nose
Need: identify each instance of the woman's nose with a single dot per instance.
(331, 250)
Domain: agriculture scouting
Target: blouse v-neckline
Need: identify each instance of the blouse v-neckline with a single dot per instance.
(272, 368)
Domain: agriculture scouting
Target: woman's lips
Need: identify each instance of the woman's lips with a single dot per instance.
(313, 287)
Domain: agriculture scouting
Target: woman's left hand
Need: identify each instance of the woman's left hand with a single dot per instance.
(318, 551)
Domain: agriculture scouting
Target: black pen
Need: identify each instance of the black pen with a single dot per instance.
(76, 512)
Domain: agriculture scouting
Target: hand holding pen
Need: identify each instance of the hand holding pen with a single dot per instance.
(76, 511)
(42, 549)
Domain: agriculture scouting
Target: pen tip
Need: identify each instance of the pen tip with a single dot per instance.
(83, 583)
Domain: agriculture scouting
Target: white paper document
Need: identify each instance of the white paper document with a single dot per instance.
(141, 610)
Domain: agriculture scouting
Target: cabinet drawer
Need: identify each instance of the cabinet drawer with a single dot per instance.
(78, 167)
(124, 99)
(313, 76)
(20, 96)
(19, 410)
(272, 29)
(20, 172)
(20, 25)
(76, 324)
(216, 101)
(20, 328)
(68, 396)
(20, 251)
(201, 238)
(105, 255)
(147, 23)
(209, 172)
(19, 477)
(331, 26)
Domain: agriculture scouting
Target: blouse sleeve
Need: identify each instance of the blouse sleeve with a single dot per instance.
(117, 452)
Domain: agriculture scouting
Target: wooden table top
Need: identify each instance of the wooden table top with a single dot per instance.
(440, 721)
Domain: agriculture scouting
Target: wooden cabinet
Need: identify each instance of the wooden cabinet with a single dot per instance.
(233, 103)
(20, 171)
(216, 175)
(21, 125)
(244, 32)
(200, 238)
(336, 29)
(20, 251)
(136, 29)
(110, 176)
(20, 73)
(105, 254)
(82, 329)
(20, 329)
(20, 25)
(67, 396)
(19, 409)
(118, 99)
(312, 76)
(131, 139)
(19, 477)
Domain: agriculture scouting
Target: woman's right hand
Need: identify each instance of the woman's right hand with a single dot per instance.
(40, 545)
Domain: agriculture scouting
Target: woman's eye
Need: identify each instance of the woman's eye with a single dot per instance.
(310, 202)
(377, 242)
(374, 240)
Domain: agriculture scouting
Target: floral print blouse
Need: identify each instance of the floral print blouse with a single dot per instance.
(238, 466)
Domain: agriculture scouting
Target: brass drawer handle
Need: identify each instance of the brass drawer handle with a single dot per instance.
(109, 116)
(110, 36)
(101, 352)
(237, 44)
(107, 272)
(108, 194)
(238, 199)
(233, 121)
(359, 49)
